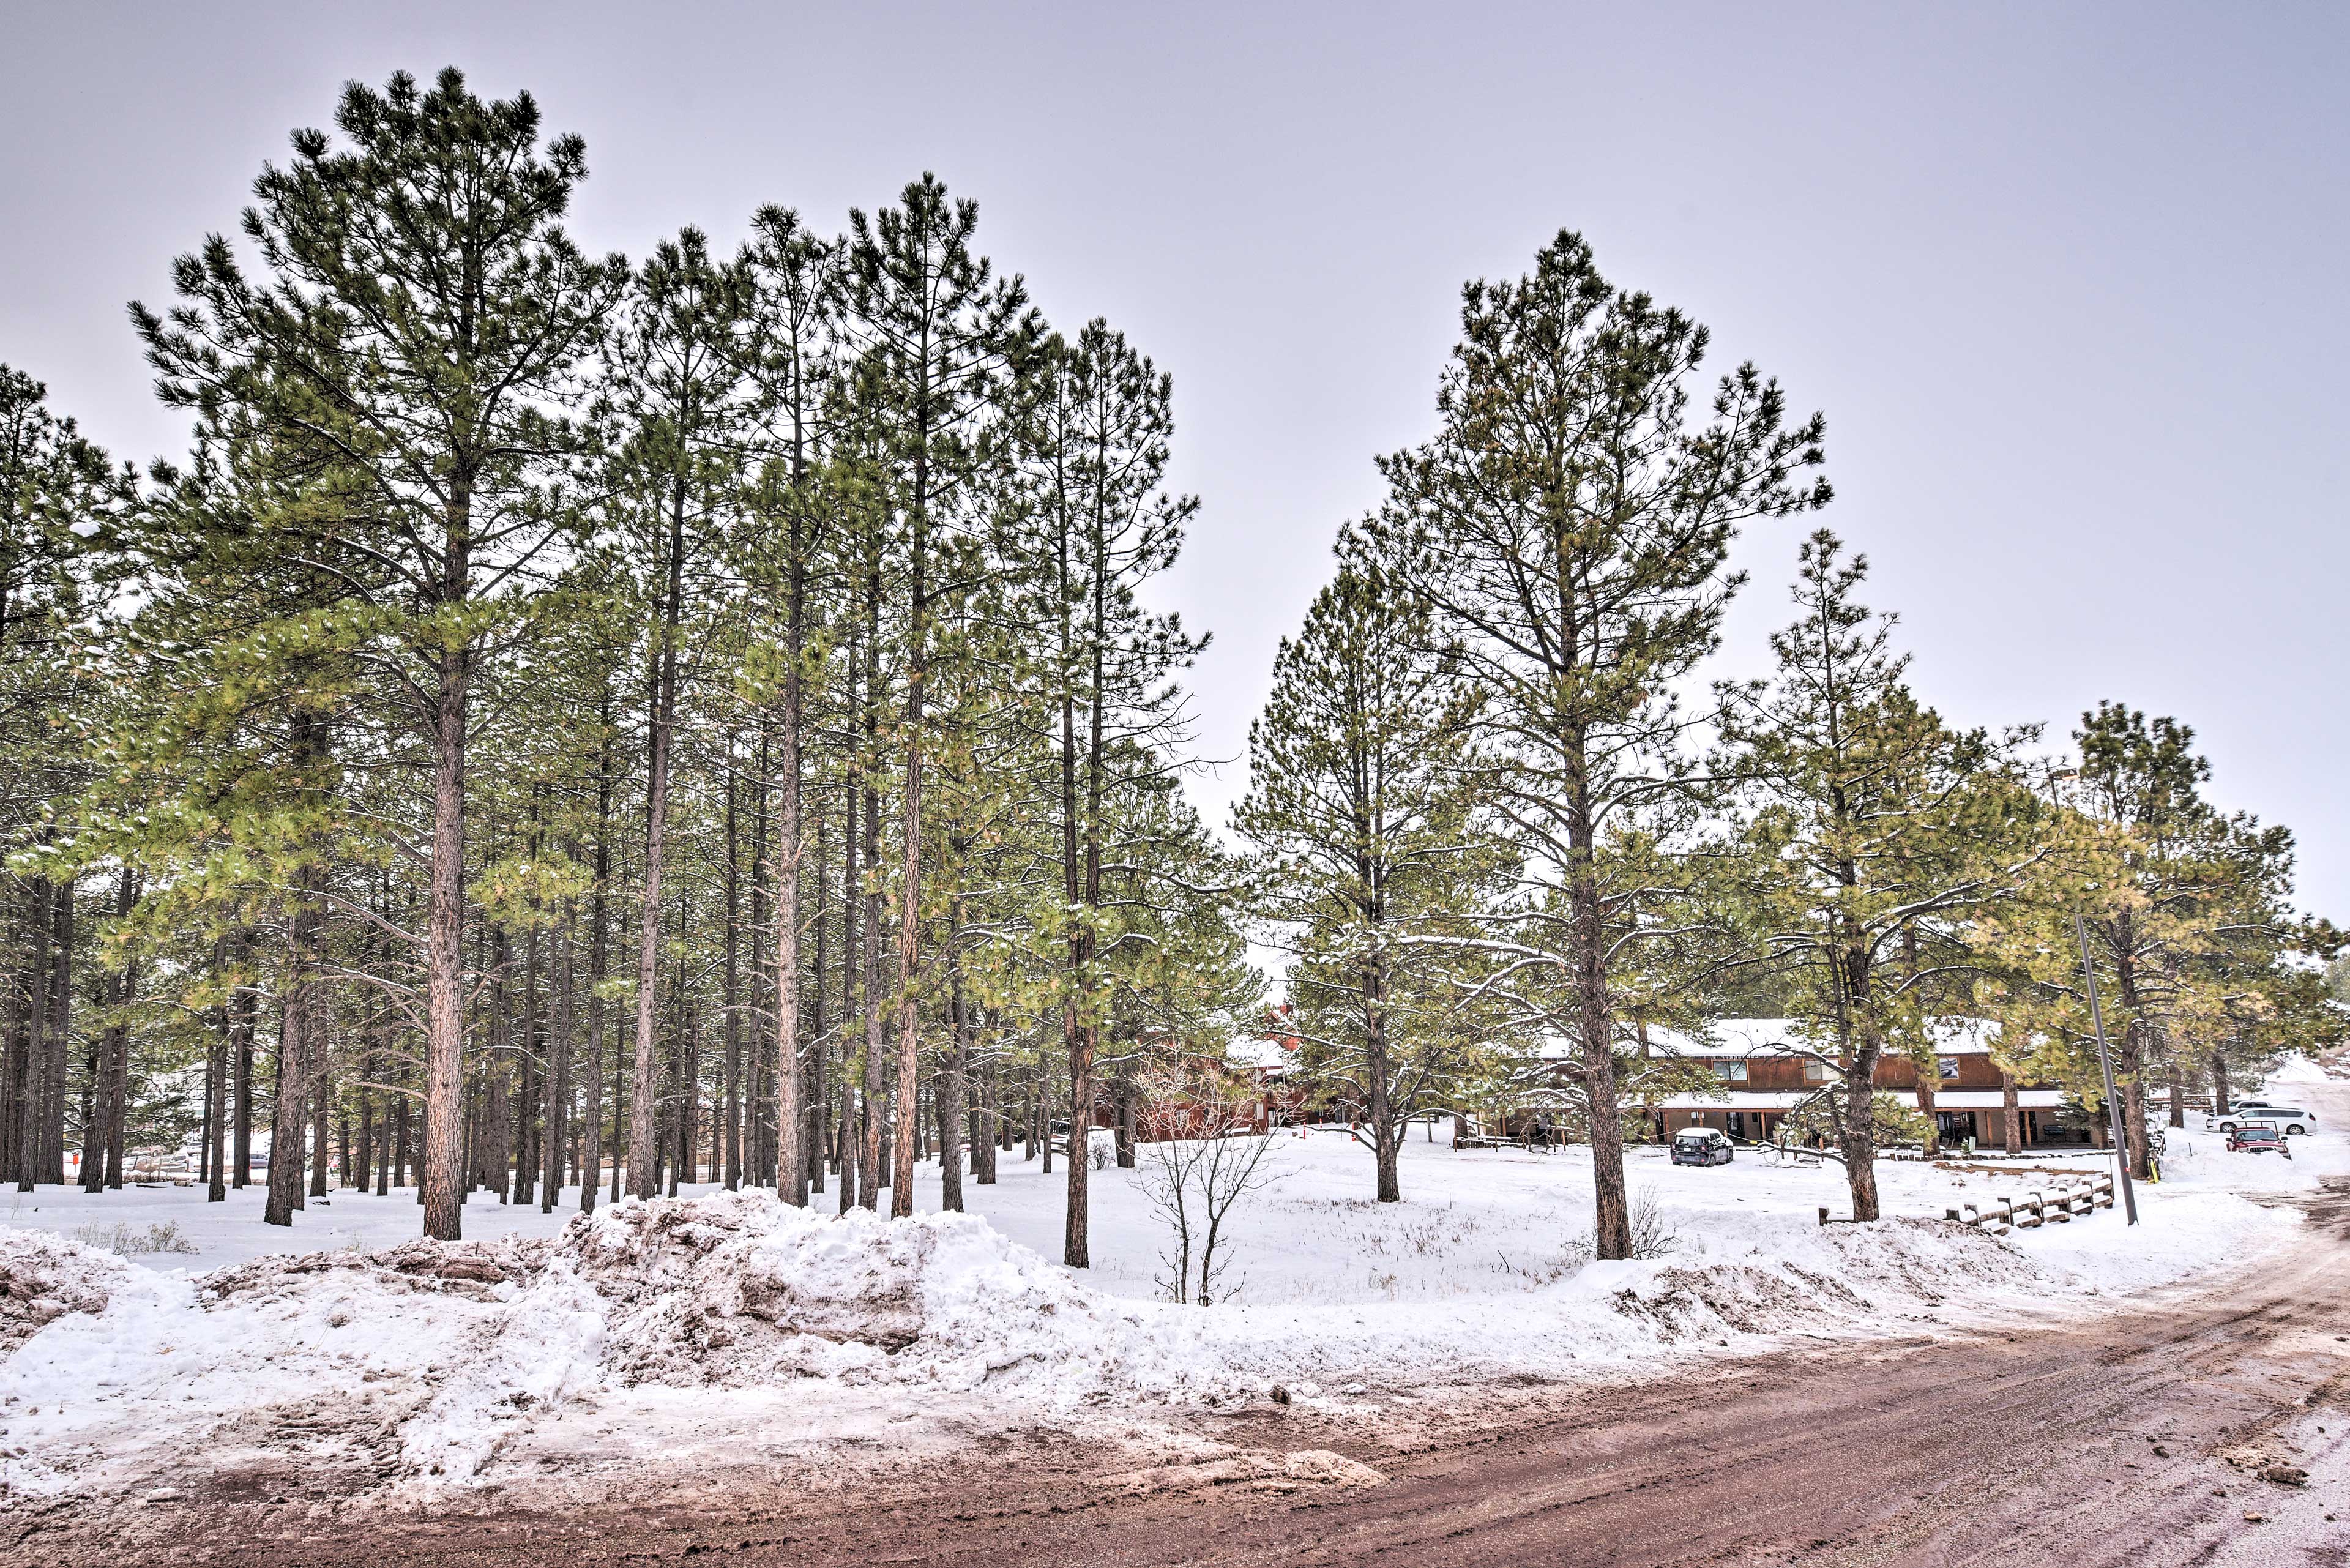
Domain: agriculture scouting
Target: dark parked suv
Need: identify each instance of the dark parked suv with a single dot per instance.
(1700, 1146)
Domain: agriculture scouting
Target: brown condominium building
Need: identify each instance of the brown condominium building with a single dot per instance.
(1765, 1068)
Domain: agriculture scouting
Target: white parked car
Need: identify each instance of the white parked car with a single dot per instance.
(2287, 1119)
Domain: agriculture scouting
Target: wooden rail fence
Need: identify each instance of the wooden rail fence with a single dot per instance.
(2048, 1206)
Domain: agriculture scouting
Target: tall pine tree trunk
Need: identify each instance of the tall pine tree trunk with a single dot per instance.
(642, 1177)
(992, 1134)
(1595, 1016)
(245, 1027)
(753, 1159)
(1076, 1039)
(818, 1103)
(1127, 1097)
(951, 1082)
(291, 1097)
(851, 1142)
(1927, 1083)
(874, 1175)
(1859, 1131)
(54, 1071)
(321, 1098)
(495, 1126)
(530, 1069)
(591, 1158)
(909, 876)
(556, 1116)
(2132, 1064)
(1390, 1188)
(32, 1051)
(790, 1154)
(215, 1104)
(729, 1172)
(108, 1098)
(301, 1041)
(13, 1007)
(442, 1181)
(355, 1172)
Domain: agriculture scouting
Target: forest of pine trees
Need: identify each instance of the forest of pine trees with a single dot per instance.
(569, 723)
(576, 726)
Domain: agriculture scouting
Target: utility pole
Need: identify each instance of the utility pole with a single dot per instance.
(2105, 1061)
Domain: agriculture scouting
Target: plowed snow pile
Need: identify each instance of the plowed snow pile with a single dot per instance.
(430, 1364)
(735, 1289)
(44, 1277)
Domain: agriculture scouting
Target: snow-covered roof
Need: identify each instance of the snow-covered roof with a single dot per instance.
(1788, 1100)
(1254, 1053)
(1545, 1048)
(1993, 1100)
(1735, 1037)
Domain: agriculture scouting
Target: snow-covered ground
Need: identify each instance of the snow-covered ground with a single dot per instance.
(547, 1350)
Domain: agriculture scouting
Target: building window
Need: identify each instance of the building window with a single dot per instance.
(1730, 1071)
(1945, 1066)
(1815, 1070)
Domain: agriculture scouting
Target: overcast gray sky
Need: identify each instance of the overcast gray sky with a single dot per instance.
(2068, 281)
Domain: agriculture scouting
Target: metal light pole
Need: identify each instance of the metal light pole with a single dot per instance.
(2105, 1061)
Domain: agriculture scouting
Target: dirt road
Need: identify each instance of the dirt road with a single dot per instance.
(2101, 1443)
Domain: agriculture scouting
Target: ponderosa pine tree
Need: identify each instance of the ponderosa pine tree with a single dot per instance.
(1566, 532)
(1869, 830)
(1179, 983)
(224, 786)
(419, 313)
(2186, 913)
(936, 331)
(788, 350)
(55, 488)
(1095, 428)
(859, 483)
(381, 389)
(684, 410)
(395, 511)
(986, 837)
(2178, 870)
(1369, 869)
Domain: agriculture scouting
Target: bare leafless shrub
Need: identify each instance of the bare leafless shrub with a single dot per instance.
(1653, 1235)
(129, 1240)
(1193, 1183)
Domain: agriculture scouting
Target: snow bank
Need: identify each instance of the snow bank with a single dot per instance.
(447, 1364)
(728, 1329)
(1606, 1320)
(44, 1277)
(424, 1362)
(736, 1289)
